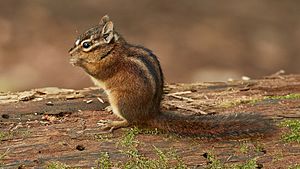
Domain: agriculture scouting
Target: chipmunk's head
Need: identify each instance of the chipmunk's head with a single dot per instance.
(95, 44)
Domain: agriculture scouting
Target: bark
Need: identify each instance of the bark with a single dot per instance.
(42, 126)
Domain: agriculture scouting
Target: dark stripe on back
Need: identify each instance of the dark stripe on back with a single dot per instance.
(151, 68)
(155, 60)
(142, 74)
(152, 64)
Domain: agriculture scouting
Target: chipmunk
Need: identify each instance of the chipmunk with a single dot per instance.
(132, 77)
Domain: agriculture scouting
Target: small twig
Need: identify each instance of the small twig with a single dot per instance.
(88, 101)
(280, 72)
(175, 95)
(276, 75)
(16, 126)
(100, 100)
(180, 93)
(188, 109)
(182, 98)
(5, 153)
(229, 158)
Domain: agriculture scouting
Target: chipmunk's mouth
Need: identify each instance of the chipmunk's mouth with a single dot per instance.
(75, 61)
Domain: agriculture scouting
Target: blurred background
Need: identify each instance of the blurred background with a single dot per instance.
(195, 40)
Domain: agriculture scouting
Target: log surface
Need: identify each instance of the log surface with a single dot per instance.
(51, 124)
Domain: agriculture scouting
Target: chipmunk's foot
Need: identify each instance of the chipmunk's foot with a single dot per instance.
(109, 126)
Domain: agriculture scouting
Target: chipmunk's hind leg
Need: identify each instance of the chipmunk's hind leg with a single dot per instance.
(109, 126)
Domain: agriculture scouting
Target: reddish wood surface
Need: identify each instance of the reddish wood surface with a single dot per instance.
(45, 125)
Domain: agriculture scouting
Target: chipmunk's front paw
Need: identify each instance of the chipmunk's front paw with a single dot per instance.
(106, 125)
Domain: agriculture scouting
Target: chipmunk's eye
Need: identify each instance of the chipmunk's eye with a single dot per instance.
(86, 44)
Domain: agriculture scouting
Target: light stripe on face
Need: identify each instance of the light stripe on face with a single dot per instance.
(77, 42)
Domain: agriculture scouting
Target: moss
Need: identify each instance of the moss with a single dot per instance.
(296, 166)
(289, 96)
(239, 101)
(59, 165)
(244, 148)
(164, 160)
(294, 133)
(128, 144)
(2, 156)
(4, 135)
(23, 133)
(136, 160)
(253, 101)
(104, 161)
(129, 137)
(259, 148)
(214, 163)
(250, 164)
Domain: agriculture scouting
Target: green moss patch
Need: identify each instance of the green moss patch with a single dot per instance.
(128, 144)
(103, 161)
(254, 101)
(59, 165)
(4, 135)
(214, 163)
(296, 166)
(294, 133)
(289, 96)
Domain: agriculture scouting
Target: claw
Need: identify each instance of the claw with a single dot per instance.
(102, 122)
(105, 125)
(108, 109)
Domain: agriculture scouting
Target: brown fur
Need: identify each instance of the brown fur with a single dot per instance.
(133, 79)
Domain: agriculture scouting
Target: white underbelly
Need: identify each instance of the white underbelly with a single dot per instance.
(112, 101)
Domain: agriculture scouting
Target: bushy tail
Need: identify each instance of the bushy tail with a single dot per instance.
(215, 126)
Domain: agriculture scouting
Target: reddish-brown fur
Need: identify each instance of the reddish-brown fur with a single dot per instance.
(132, 77)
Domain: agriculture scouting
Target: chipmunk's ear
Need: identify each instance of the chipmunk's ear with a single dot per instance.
(108, 32)
(104, 20)
(107, 28)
